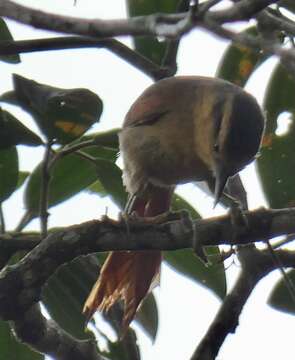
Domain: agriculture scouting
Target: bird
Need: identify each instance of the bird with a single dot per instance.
(180, 129)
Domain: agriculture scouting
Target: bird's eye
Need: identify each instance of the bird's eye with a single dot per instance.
(216, 147)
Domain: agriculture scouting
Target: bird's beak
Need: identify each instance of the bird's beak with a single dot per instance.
(220, 182)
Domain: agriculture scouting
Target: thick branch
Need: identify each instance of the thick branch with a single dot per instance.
(172, 25)
(20, 285)
(45, 336)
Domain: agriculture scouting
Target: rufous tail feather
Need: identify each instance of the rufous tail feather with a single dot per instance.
(129, 275)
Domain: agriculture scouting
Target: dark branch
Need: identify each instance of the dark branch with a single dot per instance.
(172, 25)
(75, 42)
(23, 282)
(45, 336)
(255, 265)
(271, 47)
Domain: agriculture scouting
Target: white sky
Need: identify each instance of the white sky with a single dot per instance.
(185, 308)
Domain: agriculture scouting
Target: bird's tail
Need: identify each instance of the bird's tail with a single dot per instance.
(129, 275)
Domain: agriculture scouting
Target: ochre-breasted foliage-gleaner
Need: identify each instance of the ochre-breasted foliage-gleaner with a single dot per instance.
(181, 129)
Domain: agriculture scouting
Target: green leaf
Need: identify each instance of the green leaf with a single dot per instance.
(5, 35)
(239, 62)
(97, 188)
(12, 349)
(147, 316)
(280, 297)
(178, 204)
(61, 114)
(152, 48)
(22, 176)
(69, 176)
(107, 138)
(8, 172)
(13, 132)
(66, 292)
(277, 152)
(189, 265)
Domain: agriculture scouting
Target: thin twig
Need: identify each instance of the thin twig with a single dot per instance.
(277, 261)
(77, 42)
(287, 56)
(44, 191)
(2, 220)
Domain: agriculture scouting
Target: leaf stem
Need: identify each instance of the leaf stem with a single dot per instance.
(43, 208)
(69, 150)
(88, 157)
(27, 217)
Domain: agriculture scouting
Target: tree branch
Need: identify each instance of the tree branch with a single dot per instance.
(20, 285)
(255, 265)
(45, 336)
(75, 42)
(172, 25)
(287, 56)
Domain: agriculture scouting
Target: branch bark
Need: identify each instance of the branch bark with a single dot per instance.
(172, 25)
(47, 337)
(140, 62)
(21, 284)
(255, 265)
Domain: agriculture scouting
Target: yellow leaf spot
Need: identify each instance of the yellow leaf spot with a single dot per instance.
(70, 127)
(244, 49)
(79, 129)
(245, 67)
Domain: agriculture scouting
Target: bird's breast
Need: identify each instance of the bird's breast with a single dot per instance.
(159, 155)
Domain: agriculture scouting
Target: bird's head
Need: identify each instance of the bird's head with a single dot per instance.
(237, 137)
